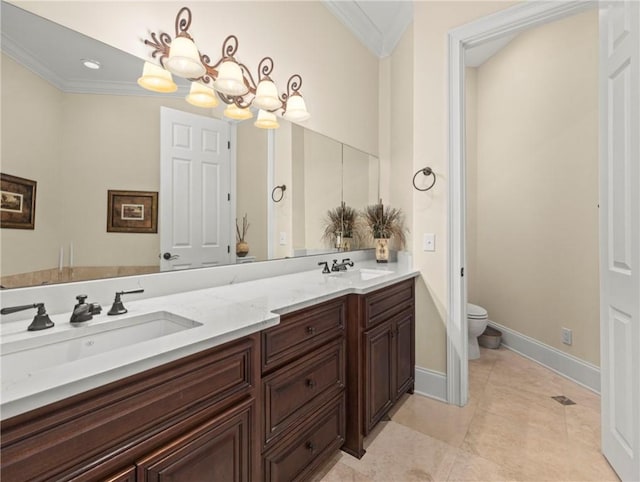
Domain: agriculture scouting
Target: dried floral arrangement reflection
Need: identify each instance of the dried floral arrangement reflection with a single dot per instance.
(341, 227)
(242, 247)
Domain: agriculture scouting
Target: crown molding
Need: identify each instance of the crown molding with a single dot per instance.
(381, 43)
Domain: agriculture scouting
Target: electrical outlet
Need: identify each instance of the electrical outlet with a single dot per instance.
(283, 238)
(567, 336)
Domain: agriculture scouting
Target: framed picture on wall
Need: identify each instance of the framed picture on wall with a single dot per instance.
(18, 202)
(132, 211)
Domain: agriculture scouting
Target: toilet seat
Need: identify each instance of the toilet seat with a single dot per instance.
(476, 312)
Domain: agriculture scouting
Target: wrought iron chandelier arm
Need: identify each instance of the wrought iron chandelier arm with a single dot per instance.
(293, 86)
(247, 78)
(161, 45)
(183, 22)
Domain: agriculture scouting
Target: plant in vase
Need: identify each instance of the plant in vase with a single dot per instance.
(242, 247)
(384, 224)
(340, 227)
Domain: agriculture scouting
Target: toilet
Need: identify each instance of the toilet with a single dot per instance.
(477, 319)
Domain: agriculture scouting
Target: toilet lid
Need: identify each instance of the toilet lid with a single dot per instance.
(476, 312)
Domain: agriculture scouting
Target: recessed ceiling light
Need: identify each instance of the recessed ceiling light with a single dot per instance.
(91, 64)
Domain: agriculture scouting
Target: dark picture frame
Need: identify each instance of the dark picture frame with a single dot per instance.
(132, 211)
(18, 202)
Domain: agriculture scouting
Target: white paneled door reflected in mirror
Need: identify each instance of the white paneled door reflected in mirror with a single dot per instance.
(81, 132)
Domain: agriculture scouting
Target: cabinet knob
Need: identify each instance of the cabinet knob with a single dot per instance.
(310, 446)
(311, 330)
(310, 383)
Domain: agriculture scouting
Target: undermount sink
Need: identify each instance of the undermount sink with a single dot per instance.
(361, 274)
(23, 357)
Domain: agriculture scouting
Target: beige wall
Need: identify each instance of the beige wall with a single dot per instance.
(417, 137)
(251, 194)
(536, 260)
(339, 74)
(23, 157)
(283, 174)
(322, 184)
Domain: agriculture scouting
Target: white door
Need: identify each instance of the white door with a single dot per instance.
(620, 235)
(195, 187)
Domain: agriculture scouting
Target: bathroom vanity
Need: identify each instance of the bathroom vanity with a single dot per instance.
(273, 402)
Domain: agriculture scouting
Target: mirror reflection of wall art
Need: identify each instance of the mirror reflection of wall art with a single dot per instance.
(132, 212)
(18, 203)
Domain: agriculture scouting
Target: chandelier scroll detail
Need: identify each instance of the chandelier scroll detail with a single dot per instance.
(226, 79)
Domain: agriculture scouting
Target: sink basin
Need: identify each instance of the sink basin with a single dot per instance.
(22, 357)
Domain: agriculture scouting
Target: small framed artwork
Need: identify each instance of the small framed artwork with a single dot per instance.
(132, 212)
(18, 202)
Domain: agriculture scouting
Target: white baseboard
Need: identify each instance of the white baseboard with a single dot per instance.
(431, 384)
(579, 371)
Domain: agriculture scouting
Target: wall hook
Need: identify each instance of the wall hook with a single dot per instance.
(427, 171)
(282, 189)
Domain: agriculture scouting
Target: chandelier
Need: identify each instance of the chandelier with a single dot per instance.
(229, 79)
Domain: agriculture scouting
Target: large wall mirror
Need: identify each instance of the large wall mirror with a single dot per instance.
(80, 133)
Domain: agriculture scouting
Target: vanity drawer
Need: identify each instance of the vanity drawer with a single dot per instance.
(298, 456)
(301, 332)
(296, 390)
(382, 304)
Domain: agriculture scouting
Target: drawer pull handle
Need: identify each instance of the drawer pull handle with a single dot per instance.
(310, 446)
(311, 330)
(310, 383)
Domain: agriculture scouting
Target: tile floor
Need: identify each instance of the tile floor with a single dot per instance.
(511, 429)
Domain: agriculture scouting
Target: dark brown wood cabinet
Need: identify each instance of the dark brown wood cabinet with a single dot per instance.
(380, 357)
(102, 433)
(272, 406)
(220, 449)
(303, 391)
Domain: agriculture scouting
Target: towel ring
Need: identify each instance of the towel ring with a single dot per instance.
(427, 171)
(282, 188)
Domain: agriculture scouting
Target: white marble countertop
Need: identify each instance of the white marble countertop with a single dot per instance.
(223, 313)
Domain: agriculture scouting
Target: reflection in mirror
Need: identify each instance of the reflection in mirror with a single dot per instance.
(79, 136)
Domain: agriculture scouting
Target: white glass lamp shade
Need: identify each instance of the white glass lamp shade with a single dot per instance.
(201, 95)
(184, 59)
(230, 80)
(266, 120)
(156, 79)
(296, 109)
(266, 96)
(234, 112)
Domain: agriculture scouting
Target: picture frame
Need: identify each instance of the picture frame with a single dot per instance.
(132, 211)
(17, 202)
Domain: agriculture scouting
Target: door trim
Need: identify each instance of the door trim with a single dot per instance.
(506, 22)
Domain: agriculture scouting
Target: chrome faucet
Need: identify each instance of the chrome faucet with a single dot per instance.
(40, 322)
(341, 266)
(84, 311)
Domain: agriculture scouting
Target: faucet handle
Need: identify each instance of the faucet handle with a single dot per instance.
(117, 308)
(40, 322)
(348, 262)
(326, 267)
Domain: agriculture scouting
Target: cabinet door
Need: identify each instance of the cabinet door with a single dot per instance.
(217, 450)
(380, 387)
(404, 353)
